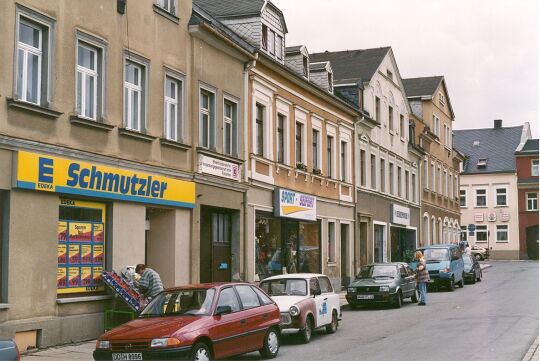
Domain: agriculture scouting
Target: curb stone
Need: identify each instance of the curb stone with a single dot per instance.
(533, 351)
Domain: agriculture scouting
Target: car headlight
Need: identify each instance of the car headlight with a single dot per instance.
(103, 345)
(445, 270)
(351, 289)
(294, 311)
(165, 342)
(384, 289)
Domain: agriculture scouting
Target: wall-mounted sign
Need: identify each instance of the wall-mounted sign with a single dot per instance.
(296, 205)
(218, 167)
(401, 215)
(52, 174)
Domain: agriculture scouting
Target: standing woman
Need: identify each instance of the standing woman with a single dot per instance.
(422, 277)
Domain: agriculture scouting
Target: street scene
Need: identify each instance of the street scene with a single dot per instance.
(260, 179)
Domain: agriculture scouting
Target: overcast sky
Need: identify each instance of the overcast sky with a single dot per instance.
(487, 50)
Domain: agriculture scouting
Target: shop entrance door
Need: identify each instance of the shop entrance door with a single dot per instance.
(289, 248)
(532, 242)
(378, 243)
(345, 279)
(215, 245)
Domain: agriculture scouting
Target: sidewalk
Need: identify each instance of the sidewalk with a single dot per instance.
(79, 351)
(532, 354)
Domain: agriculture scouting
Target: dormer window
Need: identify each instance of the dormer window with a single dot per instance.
(271, 42)
(279, 47)
(264, 37)
(330, 83)
(482, 163)
(305, 66)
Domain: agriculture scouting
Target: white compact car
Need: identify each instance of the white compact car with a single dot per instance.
(306, 301)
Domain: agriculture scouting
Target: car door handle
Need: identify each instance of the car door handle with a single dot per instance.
(243, 321)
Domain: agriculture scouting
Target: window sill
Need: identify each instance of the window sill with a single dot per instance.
(34, 108)
(480, 207)
(136, 134)
(331, 263)
(83, 299)
(501, 206)
(166, 14)
(174, 144)
(4, 306)
(96, 124)
(220, 156)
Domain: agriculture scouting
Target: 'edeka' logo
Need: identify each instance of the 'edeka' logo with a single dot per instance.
(45, 173)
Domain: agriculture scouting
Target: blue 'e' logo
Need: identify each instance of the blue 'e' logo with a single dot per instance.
(45, 170)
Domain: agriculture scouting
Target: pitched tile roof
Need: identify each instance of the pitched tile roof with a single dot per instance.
(496, 145)
(417, 87)
(353, 65)
(530, 147)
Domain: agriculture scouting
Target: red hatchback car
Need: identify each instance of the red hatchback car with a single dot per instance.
(198, 322)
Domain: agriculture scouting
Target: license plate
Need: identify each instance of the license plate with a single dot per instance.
(132, 356)
(364, 297)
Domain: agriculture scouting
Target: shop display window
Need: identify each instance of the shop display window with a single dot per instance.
(81, 247)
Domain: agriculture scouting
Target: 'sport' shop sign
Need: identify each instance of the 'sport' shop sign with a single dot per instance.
(53, 174)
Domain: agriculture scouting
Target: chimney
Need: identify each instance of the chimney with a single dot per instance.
(497, 124)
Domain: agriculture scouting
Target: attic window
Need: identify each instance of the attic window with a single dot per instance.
(476, 144)
(389, 74)
(279, 47)
(441, 99)
(482, 163)
(305, 68)
(330, 83)
(264, 37)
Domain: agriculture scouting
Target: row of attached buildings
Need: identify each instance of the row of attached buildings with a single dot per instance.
(188, 136)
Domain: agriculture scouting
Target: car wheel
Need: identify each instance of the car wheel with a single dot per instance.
(332, 327)
(478, 257)
(306, 332)
(399, 300)
(201, 352)
(414, 297)
(271, 344)
(452, 285)
(462, 282)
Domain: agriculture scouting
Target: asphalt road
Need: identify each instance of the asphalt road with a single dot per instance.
(496, 319)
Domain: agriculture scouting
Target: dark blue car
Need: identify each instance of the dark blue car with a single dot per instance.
(444, 264)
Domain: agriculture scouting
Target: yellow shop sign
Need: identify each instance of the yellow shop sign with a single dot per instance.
(53, 174)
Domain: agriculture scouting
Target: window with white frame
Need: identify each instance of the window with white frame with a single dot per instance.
(34, 39)
(436, 126)
(344, 162)
(481, 198)
(402, 126)
(463, 198)
(264, 37)
(382, 171)
(433, 178)
(445, 184)
(441, 98)
(363, 168)
(451, 186)
(391, 177)
(534, 167)
(315, 148)
(329, 156)
(447, 136)
(439, 177)
(167, 5)
(331, 242)
(135, 95)
(426, 174)
(174, 90)
(502, 233)
(259, 129)
(456, 185)
(373, 168)
(481, 233)
(407, 185)
(279, 47)
(532, 201)
(299, 143)
(501, 197)
(89, 85)
(399, 181)
(305, 66)
(390, 118)
(207, 121)
(230, 127)
(281, 146)
(378, 109)
(413, 181)
(271, 42)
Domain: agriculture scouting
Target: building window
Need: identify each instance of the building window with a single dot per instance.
(500, 199)
(373, 166)
(436, 126)
(87, 80)
(230, 127)
(167, 5)
(33, 61)
(426, 174)
(390, 118)
(413, 181)
(502, 233)
(481, 198)
(343, 161)
(305, 66)
(439, 176)
(299, 142)
(264, 37)
(363, 168)
(445, 184)
(315, 150)
(534, 168)
(447, 136)
(174, 90)
(383, 176)
(329, 156)
(134, 96)
(279, 47)
(259, 124)
(399, 181)
(331, 242)
(221, 228)
(378, 109)
(441, 98)
(271, 42)
(481, 233)
(402, 126)
(207, 119)
(391, 177)
(407, 185)
(463, 198)
(281, 139)
(330, 83)
(433, 178)
(463, 237)
(532, 201)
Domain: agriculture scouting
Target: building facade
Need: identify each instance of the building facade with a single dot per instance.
(488, 188)
(527, 183)
(432, 119)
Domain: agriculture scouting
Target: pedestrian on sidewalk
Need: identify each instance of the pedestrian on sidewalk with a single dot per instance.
(422, 276)
(150, 284)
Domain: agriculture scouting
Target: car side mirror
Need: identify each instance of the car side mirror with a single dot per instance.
(316, 292)
(223, 310)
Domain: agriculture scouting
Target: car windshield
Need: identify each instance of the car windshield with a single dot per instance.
(283, 287)
(187, 302)
(378, 271)
(467, 260)
(436, 254)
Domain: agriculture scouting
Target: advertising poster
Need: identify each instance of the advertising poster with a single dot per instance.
(80, 232)
(97, 275)
(74, 277)
(98, 254)
(61, 277)
(74, 253)
(62, 254)
(86, 276)
(98, 232)
(62, 230)
(86, 253)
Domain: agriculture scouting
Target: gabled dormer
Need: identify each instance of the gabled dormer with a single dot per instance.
(297, 58)
(322, 74)
(259, 22)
